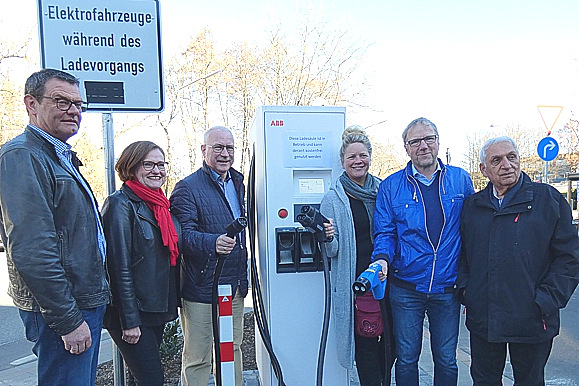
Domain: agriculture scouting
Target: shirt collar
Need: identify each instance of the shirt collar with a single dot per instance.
(417, 174)
(59, 146)
(509, 193)
(217, 177)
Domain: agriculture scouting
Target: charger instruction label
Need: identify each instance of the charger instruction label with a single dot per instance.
(308, 149)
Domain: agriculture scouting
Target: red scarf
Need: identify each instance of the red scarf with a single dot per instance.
(159, 204)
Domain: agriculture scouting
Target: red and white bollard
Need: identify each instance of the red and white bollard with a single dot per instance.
(226, 334)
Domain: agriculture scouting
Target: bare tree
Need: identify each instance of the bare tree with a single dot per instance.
(12, 111)
(197, 72)
(240, 86)
(526, 139)
(14, 49)
(569, 141)
(92, 157)
(387, 158)
(472, 158)
(317, 66)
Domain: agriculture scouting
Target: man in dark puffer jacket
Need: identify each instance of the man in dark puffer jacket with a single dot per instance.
(205, 203)
(520, 266)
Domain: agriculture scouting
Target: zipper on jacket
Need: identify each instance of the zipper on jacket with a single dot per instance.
(434, 250)
(61, 245)
(155, 224)
(432, 274)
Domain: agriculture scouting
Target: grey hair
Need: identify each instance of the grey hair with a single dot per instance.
(354, 134)
(418, 121)
(215, 128)
(492, 141)
(36, 83)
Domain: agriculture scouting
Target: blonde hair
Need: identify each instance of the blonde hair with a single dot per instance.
(354, 134)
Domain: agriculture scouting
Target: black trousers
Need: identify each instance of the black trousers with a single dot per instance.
(370, 361)
(527, 359)
(143, 358)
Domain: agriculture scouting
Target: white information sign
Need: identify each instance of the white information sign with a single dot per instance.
(112, 46)
(308, 149)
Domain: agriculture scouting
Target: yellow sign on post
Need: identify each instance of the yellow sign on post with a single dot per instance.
(549, 114)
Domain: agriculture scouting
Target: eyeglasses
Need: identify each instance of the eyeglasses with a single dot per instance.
(429, 140)
(64, 104)
(149, 165)
(218, 149)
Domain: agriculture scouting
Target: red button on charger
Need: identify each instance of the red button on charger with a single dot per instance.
(282, 213)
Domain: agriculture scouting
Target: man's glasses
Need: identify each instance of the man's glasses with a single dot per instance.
(218, 149)
(429, 140)
(64, 104)
(149, 165)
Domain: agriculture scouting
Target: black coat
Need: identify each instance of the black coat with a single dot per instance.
(520, 264)
(203, 212)
(138, 264)
(48, 227)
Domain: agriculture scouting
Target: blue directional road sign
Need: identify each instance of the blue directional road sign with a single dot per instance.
(548, 149)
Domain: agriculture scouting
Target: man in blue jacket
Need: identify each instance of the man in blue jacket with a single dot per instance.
(520, 266)
(417, 240)
(205, 203)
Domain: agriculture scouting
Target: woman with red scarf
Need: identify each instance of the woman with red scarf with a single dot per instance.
(142, 253)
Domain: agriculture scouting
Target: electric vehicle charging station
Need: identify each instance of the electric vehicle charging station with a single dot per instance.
(296, 157)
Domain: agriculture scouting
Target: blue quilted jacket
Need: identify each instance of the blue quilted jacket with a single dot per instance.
(203, 212)
(401, 237)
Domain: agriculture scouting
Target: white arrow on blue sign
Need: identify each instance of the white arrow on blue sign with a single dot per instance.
(548, 149)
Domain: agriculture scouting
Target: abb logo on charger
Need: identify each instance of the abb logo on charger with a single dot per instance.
(276, 123)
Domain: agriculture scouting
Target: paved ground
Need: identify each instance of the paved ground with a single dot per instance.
(20, 369)
(23, 371)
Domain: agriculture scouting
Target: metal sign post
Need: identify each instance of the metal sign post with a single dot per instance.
(109, 149)
(548, 149)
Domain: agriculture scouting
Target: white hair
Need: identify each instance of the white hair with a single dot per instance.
(492, 141)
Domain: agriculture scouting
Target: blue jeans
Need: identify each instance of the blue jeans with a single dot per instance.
(408, 311)
(57, 366)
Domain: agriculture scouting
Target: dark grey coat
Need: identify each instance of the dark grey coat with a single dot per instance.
(520, 263)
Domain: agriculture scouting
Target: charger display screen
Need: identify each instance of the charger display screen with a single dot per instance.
(311, 185)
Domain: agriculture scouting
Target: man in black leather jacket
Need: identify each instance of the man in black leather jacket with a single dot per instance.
(53, 234)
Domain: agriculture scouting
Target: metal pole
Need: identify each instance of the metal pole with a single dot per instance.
(569, 188)
(546, 172)
(109, 150)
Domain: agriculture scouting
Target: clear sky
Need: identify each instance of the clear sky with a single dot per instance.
(464, 64)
